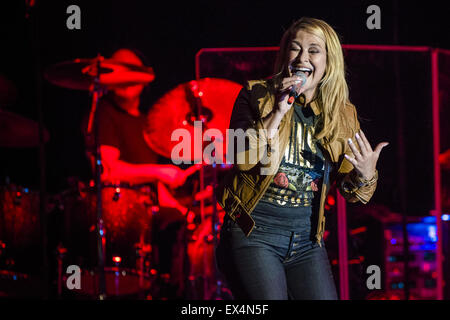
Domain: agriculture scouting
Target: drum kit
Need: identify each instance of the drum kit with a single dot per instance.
(111, 230)
(19, 211)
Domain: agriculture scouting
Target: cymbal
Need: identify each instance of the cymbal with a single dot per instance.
(79, 74)
(17, 131)
(177, 110)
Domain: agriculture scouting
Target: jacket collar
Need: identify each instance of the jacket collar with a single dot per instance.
(314, 104)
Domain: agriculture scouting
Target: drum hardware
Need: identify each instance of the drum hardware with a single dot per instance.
(85, 75)
(19, 211)
(2, 254)
(208, 100)
(143, 251)
(96, 91)
(96, 75)
(127, 212)
(82, 74)
(19, 233)
(116, 194)
(116, 260)
(2, 247)
(16, 284)
(196, 93)
(60, 254)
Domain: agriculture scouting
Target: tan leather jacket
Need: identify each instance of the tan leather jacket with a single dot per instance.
(240, 191)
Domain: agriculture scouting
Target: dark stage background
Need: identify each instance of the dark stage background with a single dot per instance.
(170, 34)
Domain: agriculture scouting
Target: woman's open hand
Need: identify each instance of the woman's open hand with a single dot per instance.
(365, 162)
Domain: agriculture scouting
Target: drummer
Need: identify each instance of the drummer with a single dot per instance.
(126, 157)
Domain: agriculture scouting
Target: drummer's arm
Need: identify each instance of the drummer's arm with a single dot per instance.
(118, 170)
(166, 199)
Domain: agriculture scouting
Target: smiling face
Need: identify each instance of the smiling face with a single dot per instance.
(308, 53)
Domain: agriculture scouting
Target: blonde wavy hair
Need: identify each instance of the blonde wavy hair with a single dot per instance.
(332, 89)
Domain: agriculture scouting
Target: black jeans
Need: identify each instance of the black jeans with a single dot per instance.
(274, 263)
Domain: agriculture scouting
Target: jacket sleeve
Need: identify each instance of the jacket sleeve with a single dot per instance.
(350, 185)
(247, 142)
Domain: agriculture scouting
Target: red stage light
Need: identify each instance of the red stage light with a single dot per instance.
(330, 200)
(117, 259)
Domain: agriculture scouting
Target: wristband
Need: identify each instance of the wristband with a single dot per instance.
(361, 182)
(353, 182)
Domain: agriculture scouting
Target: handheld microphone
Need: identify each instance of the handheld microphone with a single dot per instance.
(293, 94)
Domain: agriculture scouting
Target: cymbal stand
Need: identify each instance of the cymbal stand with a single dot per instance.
(215, 295)
(60, 254)
(220, 292)
(96, 92)
(204, 114)
(143, 251)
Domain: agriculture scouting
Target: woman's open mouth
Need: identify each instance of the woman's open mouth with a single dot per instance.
(304, 70)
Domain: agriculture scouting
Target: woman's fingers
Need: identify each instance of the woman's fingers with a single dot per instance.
(287, 83)
(350, 159)
(366, 160)
(361, 144)
(366, 142)
(355, 151)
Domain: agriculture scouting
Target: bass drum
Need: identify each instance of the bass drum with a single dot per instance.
(19, 227)
(127, 214)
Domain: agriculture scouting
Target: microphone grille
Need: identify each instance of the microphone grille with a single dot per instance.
(302, 75)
